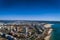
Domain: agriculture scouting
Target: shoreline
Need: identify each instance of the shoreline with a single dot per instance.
(48, 26)
(48, 35)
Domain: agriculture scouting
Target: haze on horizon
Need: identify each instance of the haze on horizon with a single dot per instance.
(48, 10)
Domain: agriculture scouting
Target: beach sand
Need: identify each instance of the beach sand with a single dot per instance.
(49, 32)
(49, 35)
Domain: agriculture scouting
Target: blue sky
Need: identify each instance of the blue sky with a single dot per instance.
(30, 10)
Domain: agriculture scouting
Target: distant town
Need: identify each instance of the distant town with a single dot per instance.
(25, 30)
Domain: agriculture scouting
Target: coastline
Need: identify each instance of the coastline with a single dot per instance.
(48, 26)
(48, 35)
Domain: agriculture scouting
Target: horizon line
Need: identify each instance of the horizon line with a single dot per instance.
(27, 20)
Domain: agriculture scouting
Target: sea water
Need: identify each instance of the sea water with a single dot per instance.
(55, 35)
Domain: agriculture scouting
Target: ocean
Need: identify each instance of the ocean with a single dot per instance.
(55, 35)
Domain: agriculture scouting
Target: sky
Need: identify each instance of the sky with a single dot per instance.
(46, 10)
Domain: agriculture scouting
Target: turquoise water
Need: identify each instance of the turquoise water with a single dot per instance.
(56, 32)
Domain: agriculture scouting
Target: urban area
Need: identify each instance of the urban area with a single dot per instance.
(25, 31)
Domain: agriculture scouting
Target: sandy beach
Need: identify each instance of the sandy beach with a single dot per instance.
(49, 32)
(49, 35)
(48, 25)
